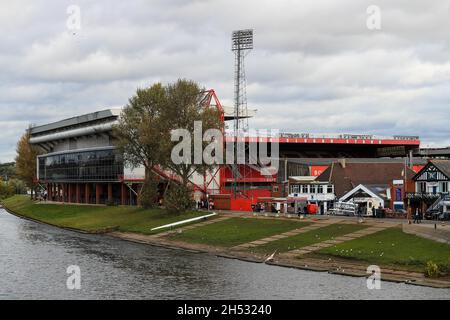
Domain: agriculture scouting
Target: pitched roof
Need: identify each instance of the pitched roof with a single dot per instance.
(371, 190)
(442, 165)
(348, 176)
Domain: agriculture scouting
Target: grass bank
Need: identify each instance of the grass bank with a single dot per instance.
(308, 238)
(392, 247)
(235, 231)
(95, 218)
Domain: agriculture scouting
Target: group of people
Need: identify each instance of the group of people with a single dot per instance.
(205, 204)
(43, 196)
(302, 211)
(259, 207)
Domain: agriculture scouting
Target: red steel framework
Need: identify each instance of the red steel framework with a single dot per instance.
(211, 96)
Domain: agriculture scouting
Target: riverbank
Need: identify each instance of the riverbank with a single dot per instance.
(327, 245)
(92, 218)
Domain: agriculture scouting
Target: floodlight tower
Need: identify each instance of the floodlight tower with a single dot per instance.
(241, 44)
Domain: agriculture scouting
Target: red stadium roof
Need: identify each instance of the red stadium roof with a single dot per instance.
(306, 138)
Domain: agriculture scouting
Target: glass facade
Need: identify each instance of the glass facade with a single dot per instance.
(92, 165)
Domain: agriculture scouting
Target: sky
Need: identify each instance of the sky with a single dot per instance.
(317, 66)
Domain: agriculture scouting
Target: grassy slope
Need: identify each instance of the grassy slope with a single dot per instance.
(393, 247)
(308, 238)
(93, 218)
(236, 231)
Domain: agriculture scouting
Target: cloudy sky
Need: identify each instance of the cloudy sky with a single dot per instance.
(316, 66)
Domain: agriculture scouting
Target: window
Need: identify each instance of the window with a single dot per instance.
(319, 189)
(101, 165)
(444, 187)
(275, 189)
(294, 188)
(304, 189)
(422, 187)
(329, 189)
(432, 176)
(313, 189)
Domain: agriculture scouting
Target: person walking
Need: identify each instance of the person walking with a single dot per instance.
(299, 212)
(416, 216)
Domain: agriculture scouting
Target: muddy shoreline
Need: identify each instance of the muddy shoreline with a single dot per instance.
(351, 268)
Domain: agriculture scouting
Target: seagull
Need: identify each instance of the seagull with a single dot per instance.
(270, 258)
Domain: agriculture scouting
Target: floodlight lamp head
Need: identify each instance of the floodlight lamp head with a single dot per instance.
(242, 40)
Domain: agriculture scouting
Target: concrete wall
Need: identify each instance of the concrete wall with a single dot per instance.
(83, 143)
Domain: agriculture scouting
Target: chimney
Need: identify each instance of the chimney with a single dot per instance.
(342, 163)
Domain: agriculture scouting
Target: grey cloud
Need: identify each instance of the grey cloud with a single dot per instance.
(315, 66)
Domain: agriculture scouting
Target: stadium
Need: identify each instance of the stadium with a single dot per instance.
(81, 164)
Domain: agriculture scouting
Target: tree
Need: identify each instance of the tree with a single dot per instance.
(26, 159)
(144, 131)
(183, 110)
(149, 191)
(139, 132)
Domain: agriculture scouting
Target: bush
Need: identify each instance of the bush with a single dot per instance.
(432, 270)
(178, 199)
(7, 189)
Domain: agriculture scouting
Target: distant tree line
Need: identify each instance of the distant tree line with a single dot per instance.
(9, 183)
(20, 176)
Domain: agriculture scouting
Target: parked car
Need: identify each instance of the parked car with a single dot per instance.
(445, 216)
(432, 214)
(343, 209)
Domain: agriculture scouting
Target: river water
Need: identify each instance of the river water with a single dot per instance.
(34, 260)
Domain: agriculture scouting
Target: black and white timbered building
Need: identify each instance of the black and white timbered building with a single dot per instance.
(432, 186)
(434, 178)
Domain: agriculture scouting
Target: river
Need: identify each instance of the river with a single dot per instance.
(34, 259)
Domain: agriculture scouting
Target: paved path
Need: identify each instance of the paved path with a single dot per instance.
(291, 233)
(347, 237)
(441, 233)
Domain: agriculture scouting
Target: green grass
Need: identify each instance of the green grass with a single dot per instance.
(392, 247)
(96, 218)
(235, 231)
(308, 238)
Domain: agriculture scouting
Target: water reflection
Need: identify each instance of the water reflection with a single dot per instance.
(34, 258)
